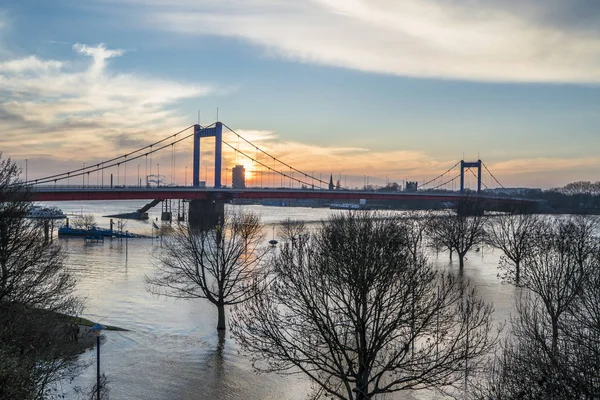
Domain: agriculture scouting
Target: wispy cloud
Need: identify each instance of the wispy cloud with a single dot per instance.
(481, 41)
(75, 109)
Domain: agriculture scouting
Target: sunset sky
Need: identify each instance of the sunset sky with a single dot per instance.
(385, 88)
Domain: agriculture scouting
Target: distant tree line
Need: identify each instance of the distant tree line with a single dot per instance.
(582, 196)
(574, 196)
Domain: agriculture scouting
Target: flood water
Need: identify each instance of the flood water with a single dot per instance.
(172, 350)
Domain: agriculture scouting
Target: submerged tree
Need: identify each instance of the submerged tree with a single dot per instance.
(459, 230)
(220, 264)
(413, 225)
(555, 343)
(515, 235)
(37, 346)
(352, 309)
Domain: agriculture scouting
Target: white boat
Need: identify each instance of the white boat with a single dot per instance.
(41, 212)
(347, 206)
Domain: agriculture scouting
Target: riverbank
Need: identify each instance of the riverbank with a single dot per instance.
(86, 323)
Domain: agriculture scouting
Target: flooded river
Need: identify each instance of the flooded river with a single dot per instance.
(171, 350)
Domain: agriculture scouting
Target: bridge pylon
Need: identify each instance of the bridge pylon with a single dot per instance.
(468, 165)
(215, 131)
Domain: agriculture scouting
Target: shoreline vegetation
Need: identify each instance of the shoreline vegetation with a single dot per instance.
(84, 322)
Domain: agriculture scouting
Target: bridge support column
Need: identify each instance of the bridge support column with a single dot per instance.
(206, 213)
(466, 165)
(217, 133)
(470, 207)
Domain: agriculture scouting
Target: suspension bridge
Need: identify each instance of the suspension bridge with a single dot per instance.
(76, 184)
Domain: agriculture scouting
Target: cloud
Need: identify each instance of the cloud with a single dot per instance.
(29, 64)
(83, 110)
(547, 165)
(468, 40)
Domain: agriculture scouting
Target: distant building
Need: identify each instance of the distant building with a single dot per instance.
(331, 187)
(239, 177)
(411, 186)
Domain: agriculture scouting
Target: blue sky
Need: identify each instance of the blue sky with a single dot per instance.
(389, 89)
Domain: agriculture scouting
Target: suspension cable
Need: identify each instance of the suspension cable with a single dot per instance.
(442, 184)
(439, 176)
(492, 175)
(87, 169)
(273, 157)
(105, 165)
(484, 185)
(54, 178)
(271, 169)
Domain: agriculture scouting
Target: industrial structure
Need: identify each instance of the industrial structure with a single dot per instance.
(238, 177)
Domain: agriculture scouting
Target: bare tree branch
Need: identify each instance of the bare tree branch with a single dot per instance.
(355, 311)
(222, 265)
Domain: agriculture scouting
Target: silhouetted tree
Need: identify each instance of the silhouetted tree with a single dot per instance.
(555, 340)
(291, 230)
(350, 308)
(581, 188)
(36, 344)
(459, 230)
(515, 236)
(414, 227)
(222, 264)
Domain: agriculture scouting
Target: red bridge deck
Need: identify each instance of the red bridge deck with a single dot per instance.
(65, 193)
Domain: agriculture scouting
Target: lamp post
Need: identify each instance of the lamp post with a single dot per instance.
(158, 175)
(185, 179)
(83, 175)
(97, 328)
(26, 171)
(139, 182)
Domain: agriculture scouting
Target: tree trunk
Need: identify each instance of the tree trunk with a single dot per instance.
(451, 251)
(461, 260)
(221, 323)
(517, 272)
(555, 339)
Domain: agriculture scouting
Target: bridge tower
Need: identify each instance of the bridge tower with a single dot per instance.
(467, 165)
(216, 132)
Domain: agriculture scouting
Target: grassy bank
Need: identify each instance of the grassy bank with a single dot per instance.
(86, 322)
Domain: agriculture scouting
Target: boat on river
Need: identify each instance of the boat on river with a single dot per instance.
(96, 233)
(348, 206)
(40, 212)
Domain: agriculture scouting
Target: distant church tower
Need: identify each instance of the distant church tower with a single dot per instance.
(331, 182)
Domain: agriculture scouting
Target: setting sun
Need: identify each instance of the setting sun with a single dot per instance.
(248, 170)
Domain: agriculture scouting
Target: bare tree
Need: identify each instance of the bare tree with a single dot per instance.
(291, 230)
(84, 221)
(221, 265)
(555, 343)
(91, 393)
(459, 230)
(414, 226)
(35, 293)
(515, 236)
(352, 309)
(583, 332)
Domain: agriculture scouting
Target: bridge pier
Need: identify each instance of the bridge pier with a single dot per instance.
(206, 213)
(470, 207)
